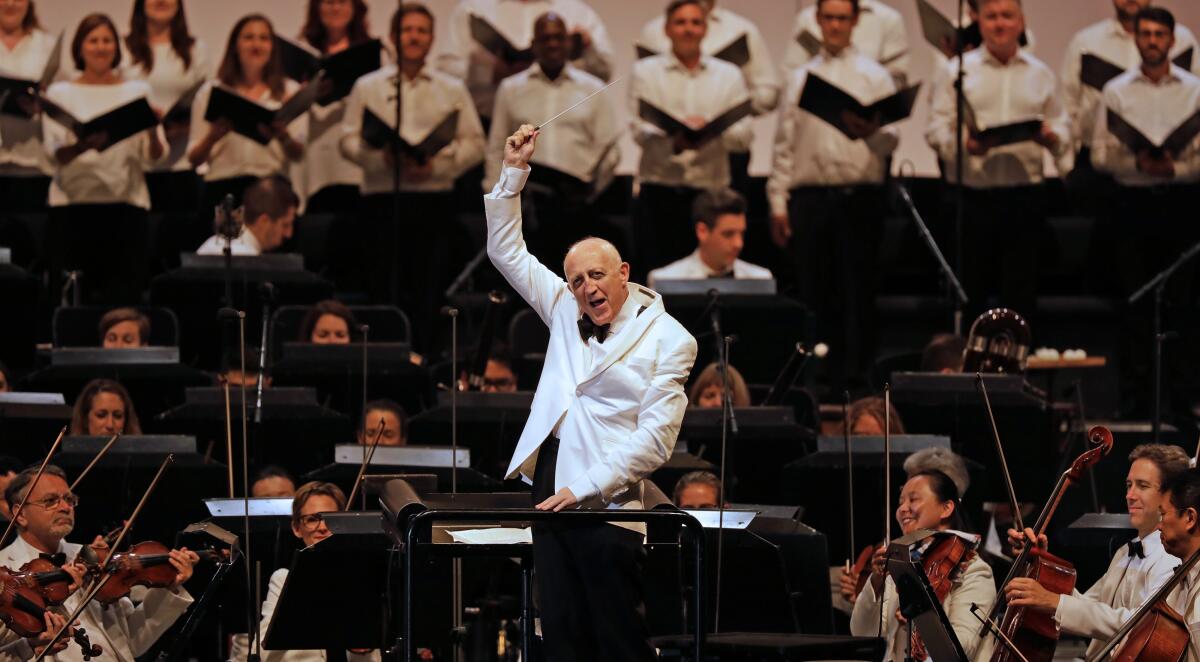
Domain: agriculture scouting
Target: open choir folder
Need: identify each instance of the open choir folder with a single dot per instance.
(1003, 134)
(302, 63)
(828, 102)
(180, 112)
(673, 126)
(1095, 71)
(1137, 142)
(19, 94)
(737, 52)
(941, 32)
(245, 116)
(493, 41)
(379, 134)
(116, 125)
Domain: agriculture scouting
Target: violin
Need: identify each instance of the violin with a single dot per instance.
(145, 564)
(943, 561)
(22, 608)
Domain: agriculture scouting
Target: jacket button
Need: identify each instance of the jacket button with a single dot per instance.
(579, 393)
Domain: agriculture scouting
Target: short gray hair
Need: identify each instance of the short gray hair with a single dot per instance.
(21, 483)
(697, 478)
(943, 460)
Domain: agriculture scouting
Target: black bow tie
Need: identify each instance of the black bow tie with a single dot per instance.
(588, 328)
(1135, 549)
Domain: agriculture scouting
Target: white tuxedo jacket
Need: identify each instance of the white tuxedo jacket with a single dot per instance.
(620, 403)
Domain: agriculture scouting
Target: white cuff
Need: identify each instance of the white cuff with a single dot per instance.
(511, 182)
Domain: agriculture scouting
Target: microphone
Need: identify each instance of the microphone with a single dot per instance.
(227, 222)
(792, 370)
(449, 311)
(266, 292)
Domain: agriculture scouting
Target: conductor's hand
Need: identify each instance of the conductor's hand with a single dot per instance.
(519, 147)
(564, 498)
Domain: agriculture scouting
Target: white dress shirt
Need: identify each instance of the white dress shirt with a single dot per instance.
(724, 28)
(466, 60)
(707, 91)
(1155, 109)
(1109, 41)
(811, 152)
(582, 143)
(974, 585)
(121, 629)
(21, 150)
(245, 244)
(1185, 599)
(1000, 94)
(693, 267)
(169, 80)
(235, 155)
(116, 175)
(1113, 599)
(427, 100)
(880, 35)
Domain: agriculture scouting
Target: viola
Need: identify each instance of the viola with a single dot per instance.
(861, 570)
(22, 608)
(943, 562)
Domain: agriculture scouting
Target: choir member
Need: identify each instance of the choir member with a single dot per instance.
(162, 51)
(406, 257)
(252, 68)
(879, 34)
(124, 327)
(329, 322)
(124, 631)
(269, 213)
(1004, 185)
(698, 490)
(695, 89)
(393, 418)
(25, 49)
(827, 195)
(706, 390)
(577, 158)
(482, 70)
(720, 217)
(104, 408)
(331, 181)
(98, 196)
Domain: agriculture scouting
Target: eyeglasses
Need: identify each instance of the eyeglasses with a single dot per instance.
(51, 502)
(311, 522)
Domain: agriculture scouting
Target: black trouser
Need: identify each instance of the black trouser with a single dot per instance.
(107, 243)
(24, 194)
(665, 229)
(1002, 229)
(589, 583)
(1092, 194)
(835, 248)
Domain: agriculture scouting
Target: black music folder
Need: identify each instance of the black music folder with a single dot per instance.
(1184, 59)
(737, 52)
(940, 32)
(180, 112)
(18, 95)
(1095, 71)
(492, 41)
(302, 63)
(810, 42)
(118, 124)
(1004, 134)
(1136, 141)
(828, 102)
(379, 134)
(245, 115)
(663, 120)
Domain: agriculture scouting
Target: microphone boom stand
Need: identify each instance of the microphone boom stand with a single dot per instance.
(953, 285)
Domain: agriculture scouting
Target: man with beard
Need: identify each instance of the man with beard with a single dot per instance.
(121, 629)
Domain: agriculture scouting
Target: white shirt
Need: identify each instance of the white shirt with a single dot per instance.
(121, 629)
(1109, 41)
(693, 267)
(169, 80)
(724, 28)
(1155, 109)
(245, 244)
(116, 175)
(235, 155)
(1185, 600)
(465, 59)
(1113, 599)
(811, 152)
(1000, 94)
(21, 150)
(582, 143)
(880, 35)
(709, 90)
(427, 100)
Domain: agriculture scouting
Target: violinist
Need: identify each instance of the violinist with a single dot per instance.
(1137, 569)
(929, 500)
(122, 630)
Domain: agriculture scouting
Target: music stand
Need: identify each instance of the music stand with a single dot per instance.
(918, 603)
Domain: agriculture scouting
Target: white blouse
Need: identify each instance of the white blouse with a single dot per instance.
(116, 175)
(235, 155)
(21, 150)
(169, 80)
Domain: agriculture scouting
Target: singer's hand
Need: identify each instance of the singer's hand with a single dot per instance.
(781, 230)
(519, 147)
(564, 498)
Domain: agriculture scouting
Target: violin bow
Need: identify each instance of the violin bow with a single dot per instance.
(887, 480)
(368, 453)
(88, 468)
(1018, 522)
(104, 569)
(12, 522)
(849, 476)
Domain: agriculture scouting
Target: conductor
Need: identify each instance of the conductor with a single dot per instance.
(606, 414)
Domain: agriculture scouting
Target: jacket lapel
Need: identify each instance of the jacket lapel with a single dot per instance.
(638, 326)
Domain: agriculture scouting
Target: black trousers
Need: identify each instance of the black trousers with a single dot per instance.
(664, 226)
(24, 194)
(835, 248)
(589, 583)
(106, 242)
(1001, 232)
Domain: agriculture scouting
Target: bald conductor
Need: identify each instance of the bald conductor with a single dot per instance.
(606, 415)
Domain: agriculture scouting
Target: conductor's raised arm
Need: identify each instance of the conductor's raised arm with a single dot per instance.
(539, 286)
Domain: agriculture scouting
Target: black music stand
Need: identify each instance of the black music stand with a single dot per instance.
(488, 423)
(336, 371)
(918, 603)
(30, 421)
(767, 439)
